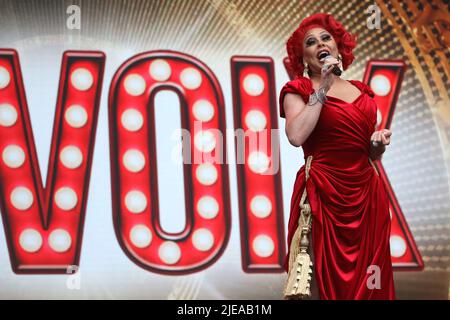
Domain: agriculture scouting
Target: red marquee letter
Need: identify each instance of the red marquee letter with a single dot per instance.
(258, 164)
(44, 226)
(385, 78)
(134, 167)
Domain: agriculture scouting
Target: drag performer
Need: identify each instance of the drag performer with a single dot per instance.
(339, 214)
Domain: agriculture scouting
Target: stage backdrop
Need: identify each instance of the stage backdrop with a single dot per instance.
(412, 34)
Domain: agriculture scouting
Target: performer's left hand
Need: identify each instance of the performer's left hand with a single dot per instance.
(381, 137)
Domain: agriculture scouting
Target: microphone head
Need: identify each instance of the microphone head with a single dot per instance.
(336, 70)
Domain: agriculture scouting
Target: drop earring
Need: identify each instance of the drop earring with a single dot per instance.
(305, 70)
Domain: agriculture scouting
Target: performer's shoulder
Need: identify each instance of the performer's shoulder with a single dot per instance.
(300, 85)
(299, 81)
(363, 87)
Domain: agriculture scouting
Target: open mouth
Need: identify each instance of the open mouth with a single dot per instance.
(322, 54)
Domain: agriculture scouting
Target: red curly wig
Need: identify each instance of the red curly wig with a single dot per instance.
(344, 40)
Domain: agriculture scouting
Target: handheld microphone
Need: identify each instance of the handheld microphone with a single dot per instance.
(336, 70)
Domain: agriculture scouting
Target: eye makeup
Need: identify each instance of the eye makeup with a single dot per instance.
(312, 40)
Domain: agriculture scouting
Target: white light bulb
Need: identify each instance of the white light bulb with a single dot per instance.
(261, 206)
(76, 116)
(253, 84)
(203, 239)
(21, 198)
(13, 156)
(379, 117)
(71, 157)
(132, 120)
(30, 240)
(141, 236)
(135, 85)
(206, 174)
(258, 162)
(263, 246)
(134, 160)
(205, 141)
(5, 78)
(207, 207)
(203, 110)
(60, 240)
(82, 79)
(135, 201)
(8, 115)
(255, 120)
(191, 78)
(66, 199)
(398, 246)
(169, 252)
(160, 70)
(380, 85)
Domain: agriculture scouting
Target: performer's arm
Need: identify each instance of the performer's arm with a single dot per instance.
(301, 117)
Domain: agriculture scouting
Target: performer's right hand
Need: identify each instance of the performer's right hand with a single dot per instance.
(327, 72)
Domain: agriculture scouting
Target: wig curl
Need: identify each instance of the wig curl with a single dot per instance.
(345, 41)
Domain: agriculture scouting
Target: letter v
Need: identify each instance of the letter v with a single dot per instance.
(44, 226)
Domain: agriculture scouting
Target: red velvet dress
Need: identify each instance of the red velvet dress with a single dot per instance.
(349, 202)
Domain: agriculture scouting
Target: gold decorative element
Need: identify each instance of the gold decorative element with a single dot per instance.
(298, 285)
(409, 50)
(426, 40)
(427, 18)
(442, 110)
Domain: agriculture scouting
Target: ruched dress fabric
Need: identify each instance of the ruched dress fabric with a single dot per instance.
(349, 202)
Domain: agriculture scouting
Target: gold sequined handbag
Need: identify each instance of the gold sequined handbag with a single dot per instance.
(298, 284)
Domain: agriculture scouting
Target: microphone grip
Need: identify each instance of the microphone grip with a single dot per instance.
(337, 71)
